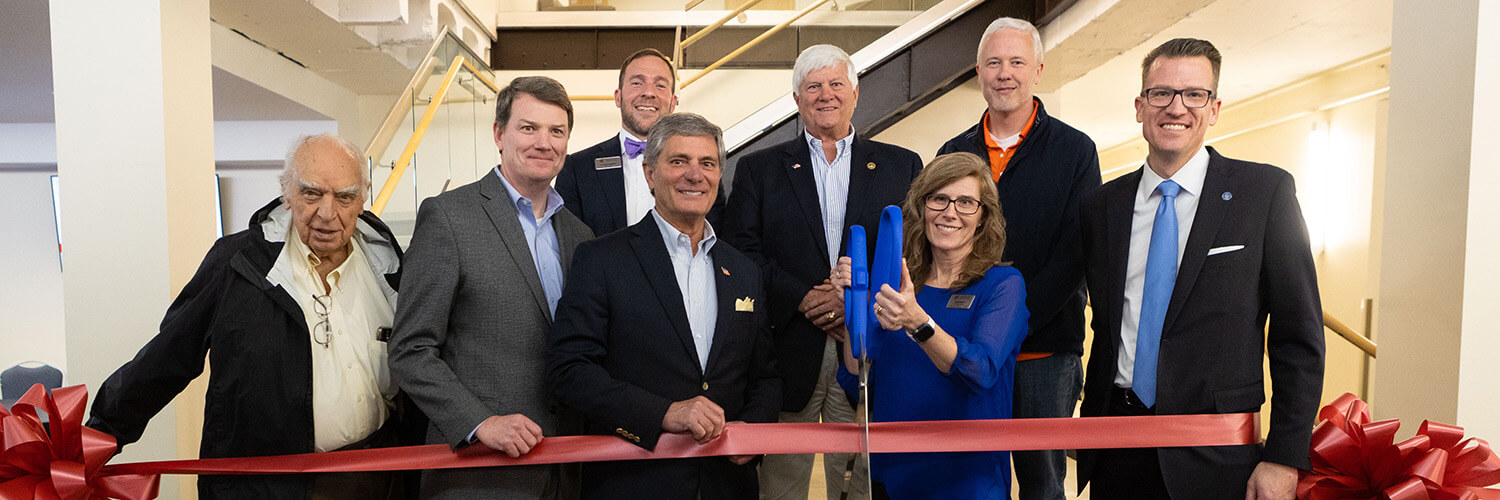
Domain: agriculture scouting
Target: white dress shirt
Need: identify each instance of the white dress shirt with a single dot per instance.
(1190, 178)
(352, 390)
(695, 279)
(638, 199)
(833, 189)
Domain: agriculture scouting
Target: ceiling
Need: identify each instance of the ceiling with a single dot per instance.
(26, 76)
(1265, 44)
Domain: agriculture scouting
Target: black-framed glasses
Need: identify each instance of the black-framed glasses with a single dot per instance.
(322, 331)
(1162, 97)
(963, 204)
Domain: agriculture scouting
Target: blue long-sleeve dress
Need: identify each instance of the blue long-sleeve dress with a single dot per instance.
(906, 386)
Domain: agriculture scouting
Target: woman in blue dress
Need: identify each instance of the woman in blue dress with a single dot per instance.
(964, 324)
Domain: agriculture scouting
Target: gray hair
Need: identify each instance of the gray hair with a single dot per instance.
(681, 124)
(818, 57)
(296, 156)
(1010, 23)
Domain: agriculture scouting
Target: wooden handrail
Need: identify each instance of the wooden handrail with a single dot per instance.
(716, 24)
(404, 160)
(763, 36)
(1360, 341)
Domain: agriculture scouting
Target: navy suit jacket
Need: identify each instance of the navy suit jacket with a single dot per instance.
(1215, 338)
(598, 196)
(774, 217)
(621, 352)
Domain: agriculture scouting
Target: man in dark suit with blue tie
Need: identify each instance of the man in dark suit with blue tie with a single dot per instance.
(662, 329)
(1186, 260)
(791, 207)
(604, 185)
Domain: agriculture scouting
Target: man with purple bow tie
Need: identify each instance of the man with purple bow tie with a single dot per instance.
(605, 185)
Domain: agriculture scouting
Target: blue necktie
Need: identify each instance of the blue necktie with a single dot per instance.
(1161, 275)
(633, 148)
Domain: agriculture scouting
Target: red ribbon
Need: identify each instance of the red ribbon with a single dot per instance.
(62, 460)
(89, 479)
(1353, 457)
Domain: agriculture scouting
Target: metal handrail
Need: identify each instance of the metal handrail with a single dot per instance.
(754, 42)
(716, 24)
(1360, 341)
(402, 162)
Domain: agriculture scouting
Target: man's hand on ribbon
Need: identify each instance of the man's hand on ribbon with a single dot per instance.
(824, 307)
(898, 309)
(699, 416)
(512, 434)
(1272, 481)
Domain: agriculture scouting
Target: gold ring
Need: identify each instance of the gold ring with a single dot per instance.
(878, 308)
(832, 315)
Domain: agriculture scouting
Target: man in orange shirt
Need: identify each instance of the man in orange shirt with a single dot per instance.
(1042, 168)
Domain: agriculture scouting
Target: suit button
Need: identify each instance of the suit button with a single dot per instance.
(705, 386)
(621, 432)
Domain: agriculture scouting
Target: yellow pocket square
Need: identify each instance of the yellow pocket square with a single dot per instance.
(746, 304)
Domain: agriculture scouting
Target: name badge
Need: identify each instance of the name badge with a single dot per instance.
(961, 301)
(608, 162)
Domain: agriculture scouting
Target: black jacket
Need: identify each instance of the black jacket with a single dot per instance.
(622, 351)
(596, 196)
(259, 399)
(1046, 179)
(774, 217)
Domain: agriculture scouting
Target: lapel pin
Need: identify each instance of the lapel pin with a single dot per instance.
(1226, 196)
(796, 166)
(725, 269)
(870, 165)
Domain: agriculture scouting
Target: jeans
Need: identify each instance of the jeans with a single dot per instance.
(1045, 388)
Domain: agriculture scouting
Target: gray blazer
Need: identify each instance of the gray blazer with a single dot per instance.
(471, 327)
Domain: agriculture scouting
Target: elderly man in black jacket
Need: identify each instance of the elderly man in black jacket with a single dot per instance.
(1042, 167)
(293, 314)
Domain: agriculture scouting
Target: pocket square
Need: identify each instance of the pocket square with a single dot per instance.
(1219, 250)
(746, 304)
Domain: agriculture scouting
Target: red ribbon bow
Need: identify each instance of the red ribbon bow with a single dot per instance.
(1353, 457)
(61, 460)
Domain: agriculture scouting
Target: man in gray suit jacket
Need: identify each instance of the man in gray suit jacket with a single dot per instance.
(485, 271)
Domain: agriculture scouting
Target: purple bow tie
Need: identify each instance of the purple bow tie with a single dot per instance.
(633, 148)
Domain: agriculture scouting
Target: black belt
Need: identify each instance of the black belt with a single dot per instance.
(1127, 398)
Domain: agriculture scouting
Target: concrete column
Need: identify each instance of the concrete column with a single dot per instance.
(135, 161)
(1478, 395)
(1435, 318)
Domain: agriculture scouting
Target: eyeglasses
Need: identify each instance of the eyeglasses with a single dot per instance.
(965, 205)
(1162, 97)
(322, 330)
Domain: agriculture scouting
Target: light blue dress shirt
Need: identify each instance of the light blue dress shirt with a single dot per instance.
(541, 239)
(833, 189)
(695, 279)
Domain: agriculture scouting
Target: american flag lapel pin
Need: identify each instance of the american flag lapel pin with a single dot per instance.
(796, 166)
(725, 270)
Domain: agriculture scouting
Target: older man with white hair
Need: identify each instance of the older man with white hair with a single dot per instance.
(1042, 168)
(293, 313)
(789, 210)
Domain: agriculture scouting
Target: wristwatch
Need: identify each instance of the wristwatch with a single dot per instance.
(923, 332)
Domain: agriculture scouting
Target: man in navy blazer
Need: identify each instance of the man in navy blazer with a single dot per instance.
(789, 211)
(604, 185)
(661, 329)
(1241, 254)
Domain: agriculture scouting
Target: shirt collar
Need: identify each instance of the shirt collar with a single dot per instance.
(674, 238)
(842, 144)
(305, 259)
(554, 200)
(626, 133)
(1189, 177)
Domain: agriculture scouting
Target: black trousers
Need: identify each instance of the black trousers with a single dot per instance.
(1127, 473)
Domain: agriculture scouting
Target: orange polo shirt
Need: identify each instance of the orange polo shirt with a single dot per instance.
(1000, 157)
